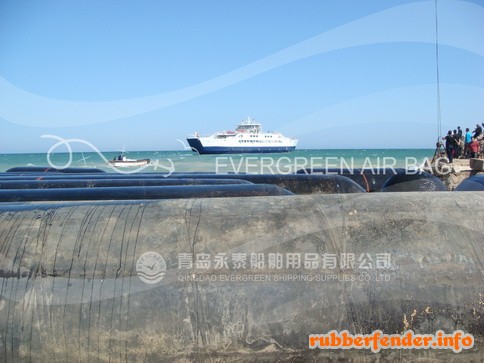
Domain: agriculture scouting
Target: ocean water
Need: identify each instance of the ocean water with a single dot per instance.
(188, 161)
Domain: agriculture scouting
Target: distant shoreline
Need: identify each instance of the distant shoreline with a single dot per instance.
(180, 150)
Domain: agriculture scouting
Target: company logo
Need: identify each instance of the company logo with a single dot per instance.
(151, 267)
(67, 143)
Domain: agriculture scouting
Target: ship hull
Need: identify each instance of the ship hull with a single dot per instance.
(197, 146)
(129, 163)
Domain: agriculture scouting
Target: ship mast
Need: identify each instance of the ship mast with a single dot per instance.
(439, 115)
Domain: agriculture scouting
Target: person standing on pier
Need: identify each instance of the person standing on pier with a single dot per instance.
(474, 148)
(477, 131)
(468, 139)
(449, 146)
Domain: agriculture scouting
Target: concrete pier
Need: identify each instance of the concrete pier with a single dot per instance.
(477, 164)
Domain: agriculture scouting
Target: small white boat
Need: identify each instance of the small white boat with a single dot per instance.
(123, 161)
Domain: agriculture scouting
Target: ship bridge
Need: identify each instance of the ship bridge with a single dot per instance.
(249, 126)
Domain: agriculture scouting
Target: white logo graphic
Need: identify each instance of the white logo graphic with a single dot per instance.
(156, 164)
(151, 267)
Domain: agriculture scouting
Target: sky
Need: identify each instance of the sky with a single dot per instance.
(142, 74)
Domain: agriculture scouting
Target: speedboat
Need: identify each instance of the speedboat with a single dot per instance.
(123, 161)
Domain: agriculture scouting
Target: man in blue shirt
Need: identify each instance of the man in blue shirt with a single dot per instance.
(468, 140)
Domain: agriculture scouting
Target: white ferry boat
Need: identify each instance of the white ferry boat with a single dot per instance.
(247, 138)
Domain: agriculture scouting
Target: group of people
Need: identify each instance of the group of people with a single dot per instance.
(462, 146)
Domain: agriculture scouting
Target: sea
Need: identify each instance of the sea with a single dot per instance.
(189, 161)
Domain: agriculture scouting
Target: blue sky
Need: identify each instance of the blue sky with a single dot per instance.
(334, 74)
